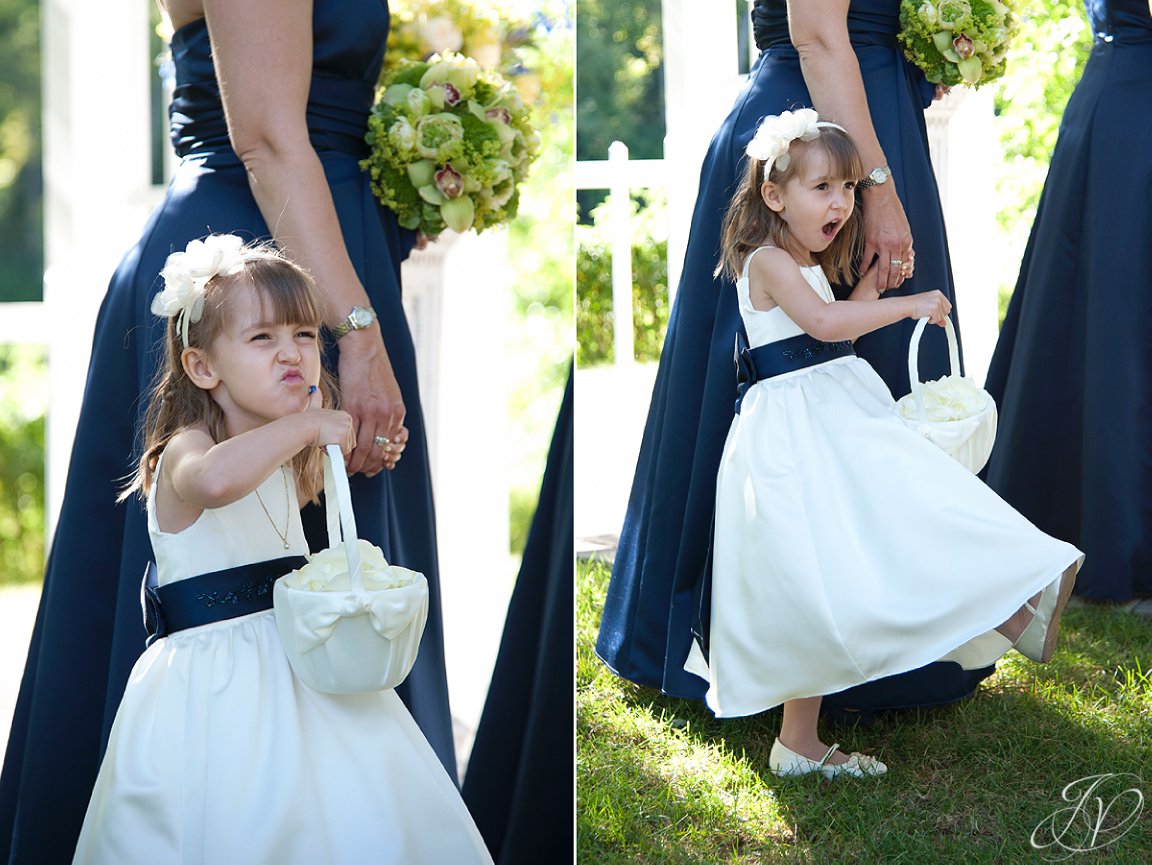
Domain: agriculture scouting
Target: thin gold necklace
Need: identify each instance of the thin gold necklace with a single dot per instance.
(283, 535)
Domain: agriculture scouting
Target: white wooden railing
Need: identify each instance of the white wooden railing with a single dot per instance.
(620, 175)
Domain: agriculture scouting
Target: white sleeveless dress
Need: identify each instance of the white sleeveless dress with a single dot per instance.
(219, 756)
(847, 547)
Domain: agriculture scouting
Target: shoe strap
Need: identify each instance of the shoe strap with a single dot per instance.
(831, 751)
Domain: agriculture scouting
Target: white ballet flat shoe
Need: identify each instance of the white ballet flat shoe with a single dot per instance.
(1038, 640)
(784, 762)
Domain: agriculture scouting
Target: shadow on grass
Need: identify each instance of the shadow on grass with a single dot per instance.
(975, 781)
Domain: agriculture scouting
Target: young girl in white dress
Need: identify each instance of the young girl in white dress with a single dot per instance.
(847, 546)
(218, 755)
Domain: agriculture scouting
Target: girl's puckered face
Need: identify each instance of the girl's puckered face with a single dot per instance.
(265, 368)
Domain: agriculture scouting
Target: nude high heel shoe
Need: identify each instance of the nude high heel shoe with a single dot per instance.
(1038, 641)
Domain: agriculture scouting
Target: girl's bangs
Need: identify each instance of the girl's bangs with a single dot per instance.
(286, 294)
(843, 157)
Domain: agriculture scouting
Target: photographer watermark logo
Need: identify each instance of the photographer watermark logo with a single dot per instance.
(1103, 809)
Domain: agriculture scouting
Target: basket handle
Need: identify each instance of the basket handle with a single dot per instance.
(914, 360)
(338, 505)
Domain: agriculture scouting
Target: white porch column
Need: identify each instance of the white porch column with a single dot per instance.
(965, 150)
(458, 300)
(701, 80)
(97, 187)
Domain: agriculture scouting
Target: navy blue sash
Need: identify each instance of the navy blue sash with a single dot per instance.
(777, 358)
(212, 597)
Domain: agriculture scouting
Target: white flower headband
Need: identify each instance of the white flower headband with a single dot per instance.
(187, 273)
(776, 133)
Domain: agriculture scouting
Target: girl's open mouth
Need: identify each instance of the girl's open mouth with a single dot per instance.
(830, 228)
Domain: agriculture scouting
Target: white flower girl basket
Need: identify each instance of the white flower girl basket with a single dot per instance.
(350, 622)
(951, 412)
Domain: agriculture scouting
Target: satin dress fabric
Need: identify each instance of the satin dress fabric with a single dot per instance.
(88, 630)
(1072, 370)
(815, 588)
(219, 754)
(652, 603)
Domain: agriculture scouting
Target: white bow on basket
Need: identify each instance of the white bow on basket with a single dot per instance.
(952, 412)
(349, 621)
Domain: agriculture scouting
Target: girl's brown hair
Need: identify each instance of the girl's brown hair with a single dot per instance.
(750, 223)
(176, 404)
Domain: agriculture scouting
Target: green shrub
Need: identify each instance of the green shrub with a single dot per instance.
(594, 330)
(23, 377)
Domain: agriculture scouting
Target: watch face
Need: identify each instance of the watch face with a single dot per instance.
(360, 317)
(878, 175)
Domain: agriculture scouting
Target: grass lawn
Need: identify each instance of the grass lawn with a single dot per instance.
(659, 780)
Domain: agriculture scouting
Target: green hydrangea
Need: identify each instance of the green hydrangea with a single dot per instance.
(445, 129)
(958, 41)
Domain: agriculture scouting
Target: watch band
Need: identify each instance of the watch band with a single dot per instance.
(877, 176)
(359, 318)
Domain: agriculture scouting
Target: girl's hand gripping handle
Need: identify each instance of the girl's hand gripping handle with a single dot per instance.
(333, 427)
(931, 305)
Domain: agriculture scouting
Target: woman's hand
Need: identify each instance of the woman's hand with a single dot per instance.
(394, 448)
(887, 237)
(370, 393)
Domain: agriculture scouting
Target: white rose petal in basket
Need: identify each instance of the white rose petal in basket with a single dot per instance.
(349, 621)
(951, 412)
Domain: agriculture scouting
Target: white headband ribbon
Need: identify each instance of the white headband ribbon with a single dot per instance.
(187, 273)
(776, 133)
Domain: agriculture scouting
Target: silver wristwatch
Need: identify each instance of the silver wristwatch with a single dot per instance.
(359, 318)
(876, 177)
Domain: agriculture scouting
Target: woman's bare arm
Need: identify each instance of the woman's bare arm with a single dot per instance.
(262, 51)
(819, 31)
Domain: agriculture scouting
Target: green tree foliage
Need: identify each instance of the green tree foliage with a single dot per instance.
(618, 78)
(21, 235)
(1044, 65)
(23, 379)
(540, 245)
(546, 202)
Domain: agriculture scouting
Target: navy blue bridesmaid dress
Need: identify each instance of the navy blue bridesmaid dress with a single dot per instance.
(1072, 370)
(519, 783)
(89, 630)
(653, 598)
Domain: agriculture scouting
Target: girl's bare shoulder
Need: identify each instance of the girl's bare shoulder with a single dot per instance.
(190, 440)
(771, 265)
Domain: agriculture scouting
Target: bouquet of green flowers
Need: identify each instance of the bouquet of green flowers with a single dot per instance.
(450, 143)
(957, 41)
